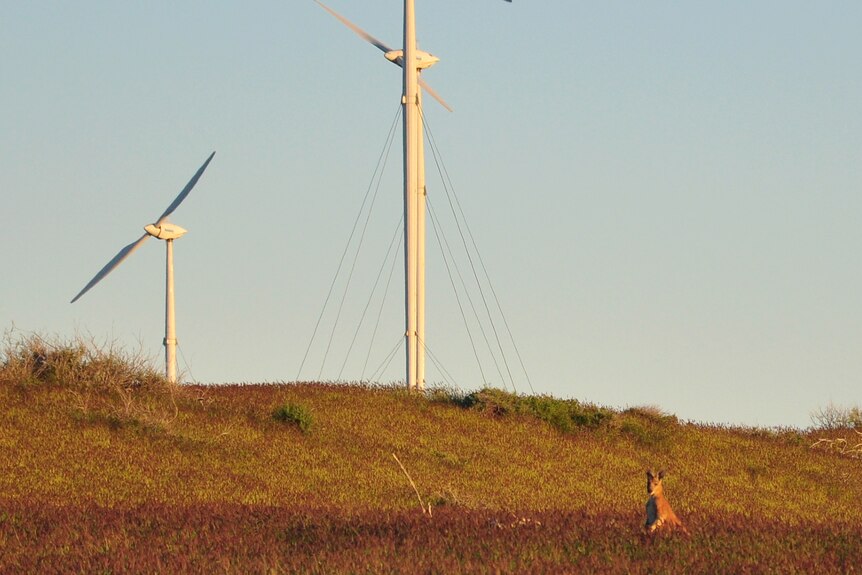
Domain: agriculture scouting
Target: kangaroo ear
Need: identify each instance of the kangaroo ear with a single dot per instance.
(661, 474)
(649, 474)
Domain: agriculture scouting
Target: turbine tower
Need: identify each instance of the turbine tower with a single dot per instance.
(414, 247)
(163, 230)
(412, 61)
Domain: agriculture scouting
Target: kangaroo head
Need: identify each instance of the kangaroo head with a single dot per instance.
(653, 485)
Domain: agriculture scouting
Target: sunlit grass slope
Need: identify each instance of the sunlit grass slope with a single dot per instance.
(284, 477)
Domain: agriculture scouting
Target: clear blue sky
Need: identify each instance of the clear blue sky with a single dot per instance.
(667, 195)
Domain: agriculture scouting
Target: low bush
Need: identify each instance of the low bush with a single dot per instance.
(648, 426)
(77, 363)
(102, 384)
(294, 414)
(566, 415)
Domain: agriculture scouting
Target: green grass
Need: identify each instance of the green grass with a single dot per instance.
(294, 414)
(114, 470)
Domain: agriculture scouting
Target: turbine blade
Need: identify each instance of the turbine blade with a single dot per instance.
(356, 29)
(109, 267)
(434, 94)
(179, 199)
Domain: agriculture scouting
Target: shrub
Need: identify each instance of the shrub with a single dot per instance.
(104, 384)
(566, 415)
(449, 395)
(492, 401)
(647, 425)
(294, 414)
(652, 413)
(76, 364)
(834, 417)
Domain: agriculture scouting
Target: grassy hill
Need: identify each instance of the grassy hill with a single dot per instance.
(104, 467)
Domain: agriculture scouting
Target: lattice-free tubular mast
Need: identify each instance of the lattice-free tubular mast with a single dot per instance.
(410, 102)
(170, 317)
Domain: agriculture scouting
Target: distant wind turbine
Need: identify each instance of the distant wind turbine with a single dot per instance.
(163, 230)
(412, 61)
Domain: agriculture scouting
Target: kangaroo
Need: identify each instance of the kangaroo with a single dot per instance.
(658, 510)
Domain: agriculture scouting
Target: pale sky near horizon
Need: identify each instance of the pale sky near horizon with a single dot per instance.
(666, 194)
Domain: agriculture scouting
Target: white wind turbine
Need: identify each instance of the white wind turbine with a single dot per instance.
(412, 61)
(163, 230)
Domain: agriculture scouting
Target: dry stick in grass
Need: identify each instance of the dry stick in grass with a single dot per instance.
(410, 479)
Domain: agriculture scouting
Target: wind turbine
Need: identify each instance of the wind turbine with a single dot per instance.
(163, 230)
(412, 61)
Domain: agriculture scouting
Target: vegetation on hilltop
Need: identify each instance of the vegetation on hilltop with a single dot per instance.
(104, 466)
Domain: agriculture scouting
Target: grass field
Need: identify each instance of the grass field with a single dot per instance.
(105, 468)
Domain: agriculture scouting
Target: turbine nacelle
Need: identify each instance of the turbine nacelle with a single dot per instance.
(161, 229)
(423, 59)
(165, 231)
